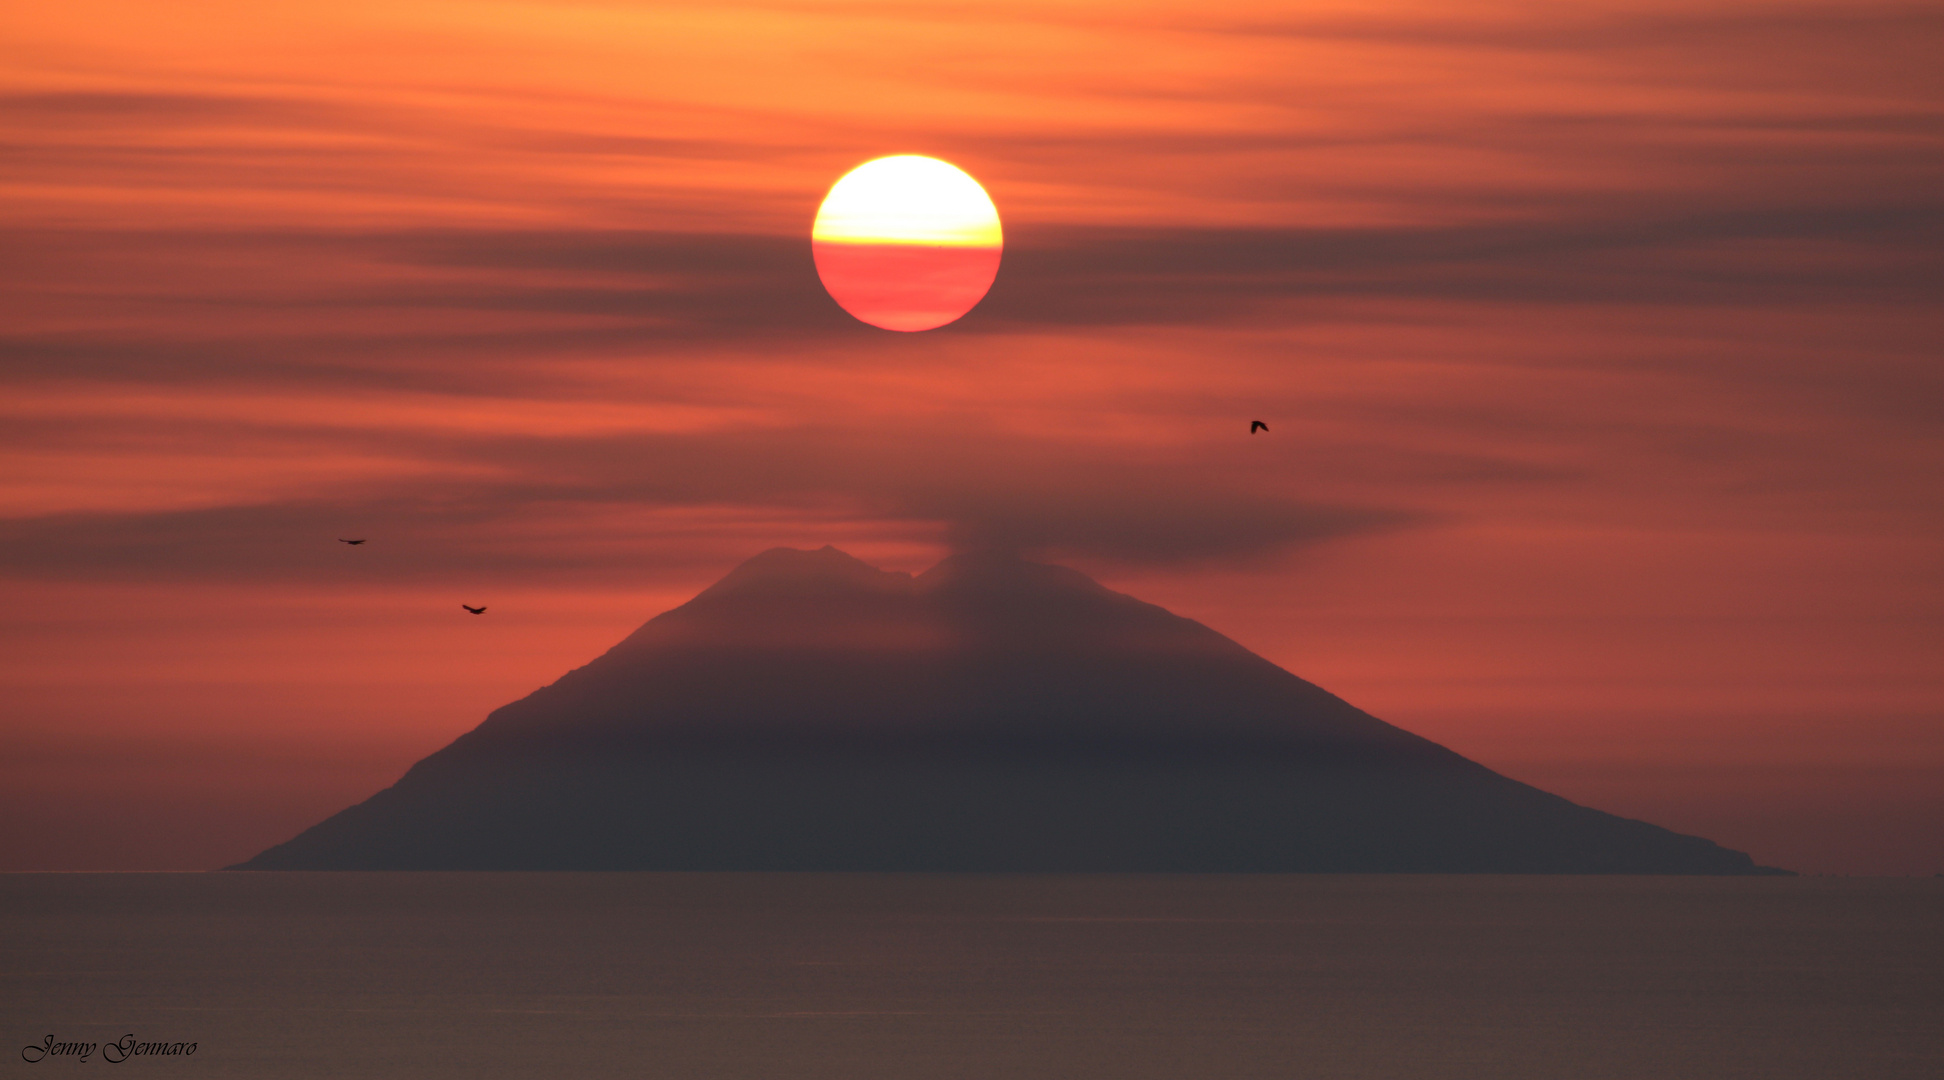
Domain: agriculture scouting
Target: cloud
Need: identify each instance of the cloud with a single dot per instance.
(1144, 529)
(608, 508)
(330, 305)
(1788, 26)
(579, 229)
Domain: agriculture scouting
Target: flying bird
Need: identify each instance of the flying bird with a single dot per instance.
(353, 543)
(481, 610)
(1257, 425)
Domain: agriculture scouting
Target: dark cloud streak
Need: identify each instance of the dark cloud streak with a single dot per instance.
(647, 288)
(580, 516)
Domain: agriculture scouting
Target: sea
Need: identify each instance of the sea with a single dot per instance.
(942, 977)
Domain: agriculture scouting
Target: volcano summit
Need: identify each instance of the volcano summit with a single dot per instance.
(811, 712)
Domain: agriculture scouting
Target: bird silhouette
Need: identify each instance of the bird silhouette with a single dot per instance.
(1257, 425)
(353, 543)
(481, 610)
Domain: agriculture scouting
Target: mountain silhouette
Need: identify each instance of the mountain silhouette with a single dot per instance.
(812, 712)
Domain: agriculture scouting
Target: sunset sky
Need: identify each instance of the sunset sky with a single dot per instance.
(1599, 343)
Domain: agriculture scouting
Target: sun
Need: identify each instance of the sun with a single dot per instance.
(907, 242)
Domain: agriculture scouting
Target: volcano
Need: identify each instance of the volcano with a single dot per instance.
(811, 712)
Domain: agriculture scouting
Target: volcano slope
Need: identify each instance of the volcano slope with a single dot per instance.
(811, 712)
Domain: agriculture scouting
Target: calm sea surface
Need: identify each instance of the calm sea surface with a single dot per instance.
(726, 975)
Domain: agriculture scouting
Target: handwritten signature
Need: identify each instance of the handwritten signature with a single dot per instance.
(117, 1052)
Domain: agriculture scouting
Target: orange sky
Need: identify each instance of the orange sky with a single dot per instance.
(1599, 346)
